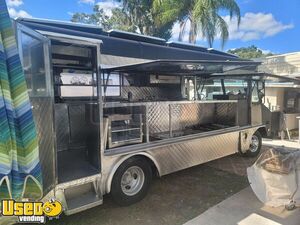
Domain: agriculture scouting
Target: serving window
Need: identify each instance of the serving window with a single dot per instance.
(111, 84)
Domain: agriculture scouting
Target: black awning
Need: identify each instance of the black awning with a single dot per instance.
(255, 76)
(184, 67)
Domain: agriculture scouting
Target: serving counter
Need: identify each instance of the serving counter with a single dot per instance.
(167, 119)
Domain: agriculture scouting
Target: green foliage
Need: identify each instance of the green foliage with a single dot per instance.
(203, 16)
(250, 52)
(121, 21)
(98, 17)
(135, 16)
(157, 17)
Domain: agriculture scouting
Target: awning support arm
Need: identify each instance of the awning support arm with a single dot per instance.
(223, 86)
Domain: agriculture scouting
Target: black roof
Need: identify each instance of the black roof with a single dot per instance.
(125, 44)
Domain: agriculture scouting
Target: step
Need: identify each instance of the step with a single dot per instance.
(81, 197)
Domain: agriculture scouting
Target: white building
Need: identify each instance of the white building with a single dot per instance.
(283, 96)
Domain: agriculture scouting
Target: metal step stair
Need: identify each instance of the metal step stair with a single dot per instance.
(81, 194)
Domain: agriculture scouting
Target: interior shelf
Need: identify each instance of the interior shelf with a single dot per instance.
(124, 129)
(82, 67)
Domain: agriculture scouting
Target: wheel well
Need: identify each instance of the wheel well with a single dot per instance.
(263, 131)
(151, 163)
(148, 158)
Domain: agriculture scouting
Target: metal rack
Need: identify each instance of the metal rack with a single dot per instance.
(124, 129)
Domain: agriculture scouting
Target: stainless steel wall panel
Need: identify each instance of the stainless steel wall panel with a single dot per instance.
(182, 155)
(62, 128)
(43, 118)
(78, 126)
(225, 112)
(70, 126)
(256, 114)
(179, 154)
(187, 115)
(158, 117)
(150, 93)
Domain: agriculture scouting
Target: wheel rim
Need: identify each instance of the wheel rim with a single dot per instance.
(254, 144)
(132, 180)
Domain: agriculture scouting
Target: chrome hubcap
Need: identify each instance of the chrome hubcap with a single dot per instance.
(132, 180)
(254, 144)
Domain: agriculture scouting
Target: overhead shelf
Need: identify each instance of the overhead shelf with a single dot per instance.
(81, 67)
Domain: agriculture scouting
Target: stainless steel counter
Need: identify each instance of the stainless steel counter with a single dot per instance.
(166, 119)
(126, 104)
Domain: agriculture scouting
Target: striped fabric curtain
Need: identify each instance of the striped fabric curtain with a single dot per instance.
(20, 171)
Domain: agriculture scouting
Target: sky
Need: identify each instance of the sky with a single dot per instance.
(271, 25)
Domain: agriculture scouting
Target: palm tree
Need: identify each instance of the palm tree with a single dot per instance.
(203, 15)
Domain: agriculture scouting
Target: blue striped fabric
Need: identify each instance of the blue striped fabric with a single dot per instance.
(20, 170)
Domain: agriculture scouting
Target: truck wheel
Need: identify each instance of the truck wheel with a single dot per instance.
(131, 181)
(255, 146)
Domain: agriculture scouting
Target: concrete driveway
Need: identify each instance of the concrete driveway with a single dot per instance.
(181, 197)
(244, 208)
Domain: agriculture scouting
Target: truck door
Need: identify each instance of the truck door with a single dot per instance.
(35, 58)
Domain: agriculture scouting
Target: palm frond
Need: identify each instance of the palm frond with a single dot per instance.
(231, 6)
(222, 28)
(182, 26)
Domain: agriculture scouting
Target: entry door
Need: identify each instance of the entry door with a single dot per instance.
(35, 58)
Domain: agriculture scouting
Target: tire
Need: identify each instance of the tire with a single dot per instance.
(254, 150)
(131, 181)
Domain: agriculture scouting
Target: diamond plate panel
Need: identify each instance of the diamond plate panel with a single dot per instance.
(158, 117)
(62, 128)
(178, 156)
(226, 112)
(43, 117)
(188, 115)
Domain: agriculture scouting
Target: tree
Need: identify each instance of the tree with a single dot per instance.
(139, 12)
(98, 17)
(135, 16)
(121, 21)
(203, 16)
(250, 52)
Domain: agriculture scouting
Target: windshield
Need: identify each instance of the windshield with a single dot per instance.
(211, 90)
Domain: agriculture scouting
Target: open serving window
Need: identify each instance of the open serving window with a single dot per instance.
(165, 99)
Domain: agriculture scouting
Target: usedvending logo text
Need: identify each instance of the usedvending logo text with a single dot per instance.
(31, 212)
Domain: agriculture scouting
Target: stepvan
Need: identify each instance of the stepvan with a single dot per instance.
(113, 109)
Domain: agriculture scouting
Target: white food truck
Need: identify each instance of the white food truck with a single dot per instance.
(113, 109)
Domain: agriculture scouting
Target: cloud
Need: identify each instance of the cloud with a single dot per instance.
(91, 2)
(266, 51)
(253, 26)
(108, 6)
(18, 13)
(14, 3)
(13, 12)
(176, 31)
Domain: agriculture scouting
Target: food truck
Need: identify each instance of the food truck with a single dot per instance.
(113, 109)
